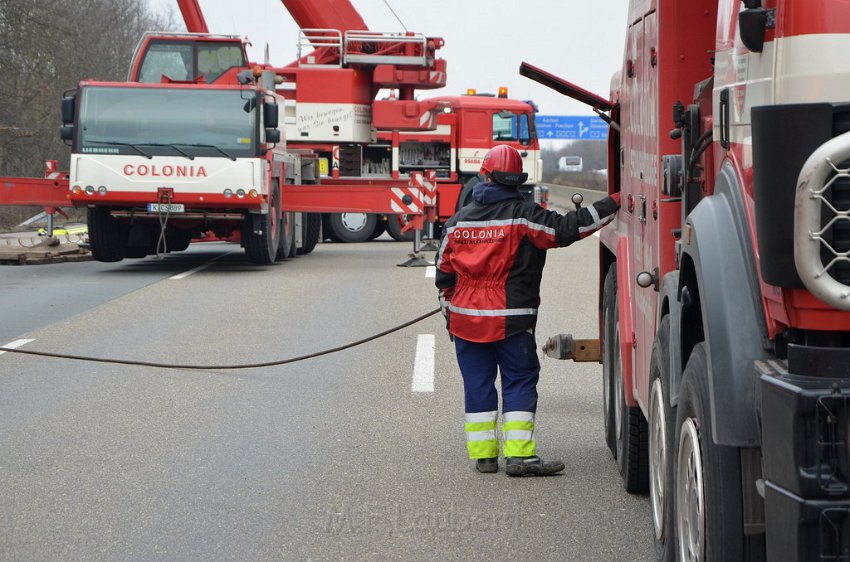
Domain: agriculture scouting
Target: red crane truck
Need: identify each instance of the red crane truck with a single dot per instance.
(190, 144)
(724, 309)
(331, 109)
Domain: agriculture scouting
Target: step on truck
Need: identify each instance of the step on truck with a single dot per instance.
(725, 282)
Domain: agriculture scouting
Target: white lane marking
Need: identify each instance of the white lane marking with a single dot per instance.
(186, 274)
(423, 366)
(431, 272)
(15, 345)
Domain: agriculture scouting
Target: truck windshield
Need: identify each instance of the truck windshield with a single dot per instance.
(509, 126)
(187, 60)
(168, 121)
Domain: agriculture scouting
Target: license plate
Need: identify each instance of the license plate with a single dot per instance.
(165, 207)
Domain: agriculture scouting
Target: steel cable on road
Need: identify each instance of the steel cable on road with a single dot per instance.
(223, 367)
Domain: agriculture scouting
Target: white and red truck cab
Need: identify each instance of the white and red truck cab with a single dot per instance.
(158, 164)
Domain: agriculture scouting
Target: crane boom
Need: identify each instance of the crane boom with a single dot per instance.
(193, 16)
(325, 14)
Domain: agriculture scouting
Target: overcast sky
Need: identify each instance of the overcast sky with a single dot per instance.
(486, 40)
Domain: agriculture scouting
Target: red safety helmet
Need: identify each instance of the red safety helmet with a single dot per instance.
(504, 164)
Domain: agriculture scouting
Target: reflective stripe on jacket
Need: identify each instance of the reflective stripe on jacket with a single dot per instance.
(491, 257)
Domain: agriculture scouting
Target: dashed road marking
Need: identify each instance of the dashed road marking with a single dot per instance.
(423, 366)
(202, 267)
(431, 272)
(15, 344)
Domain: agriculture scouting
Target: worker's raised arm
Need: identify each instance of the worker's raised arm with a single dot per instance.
(550, 229)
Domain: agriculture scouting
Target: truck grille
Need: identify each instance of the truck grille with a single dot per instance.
(835, 219)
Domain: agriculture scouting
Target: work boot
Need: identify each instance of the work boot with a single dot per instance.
(532, 466)
(487, 465)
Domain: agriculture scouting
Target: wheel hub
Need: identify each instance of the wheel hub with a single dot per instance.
(690, 494)
(353, 222)
(657, 457)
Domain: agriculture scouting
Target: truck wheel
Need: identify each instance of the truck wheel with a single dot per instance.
(327, 231)
(708, 478)
(261, 247)
(609, 366)
(394, 230)
(632, 434)
(178, 239)
(287, 237)
(312, 225)
(380, 227)
(662, 424)
(351, 227)
(107, 237)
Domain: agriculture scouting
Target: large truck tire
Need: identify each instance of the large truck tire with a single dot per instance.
(310, 230)
(633, 431)
(351, 227)
(662, 446)
(107, 237)
(286, 244)
(394, 230)
(178, 239)
(261, 247)
(380, 228)
(708, 499)
(327, 231)
(609, 368)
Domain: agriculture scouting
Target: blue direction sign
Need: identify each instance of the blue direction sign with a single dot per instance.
(571, 127)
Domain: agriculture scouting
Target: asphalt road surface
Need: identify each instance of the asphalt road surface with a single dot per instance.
(354, 455)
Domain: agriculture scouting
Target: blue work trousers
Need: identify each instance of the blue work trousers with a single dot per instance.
(515, 357)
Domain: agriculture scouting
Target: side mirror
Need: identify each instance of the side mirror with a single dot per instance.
(270, 115)
(272, 136)
(66, 133)
(69, 107)
(753, 24)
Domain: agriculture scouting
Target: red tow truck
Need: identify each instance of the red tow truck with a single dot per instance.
(725, 283)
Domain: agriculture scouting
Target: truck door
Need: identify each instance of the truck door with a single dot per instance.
(640, 171)
(646, 239)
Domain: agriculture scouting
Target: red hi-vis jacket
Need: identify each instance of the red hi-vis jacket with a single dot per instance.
(491, 259)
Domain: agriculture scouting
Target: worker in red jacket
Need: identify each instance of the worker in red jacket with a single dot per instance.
(489, 268)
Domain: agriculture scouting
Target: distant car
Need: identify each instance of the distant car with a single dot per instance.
(570, 164)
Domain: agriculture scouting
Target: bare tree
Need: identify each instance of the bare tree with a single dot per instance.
(46, 48)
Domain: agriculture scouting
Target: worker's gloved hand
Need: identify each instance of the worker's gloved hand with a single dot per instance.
(616, 198)
(447, 314)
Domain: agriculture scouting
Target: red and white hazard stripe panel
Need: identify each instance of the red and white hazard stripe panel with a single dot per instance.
(429, 185)
(405, 200)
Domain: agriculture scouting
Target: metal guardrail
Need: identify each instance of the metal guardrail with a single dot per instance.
(378, 41)
(319, 39)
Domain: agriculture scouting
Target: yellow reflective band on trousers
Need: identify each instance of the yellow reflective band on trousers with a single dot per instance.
(518, 434)
(481, 441)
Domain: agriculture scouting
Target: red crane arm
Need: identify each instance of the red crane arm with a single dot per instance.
(193, 16)
(325, 14)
